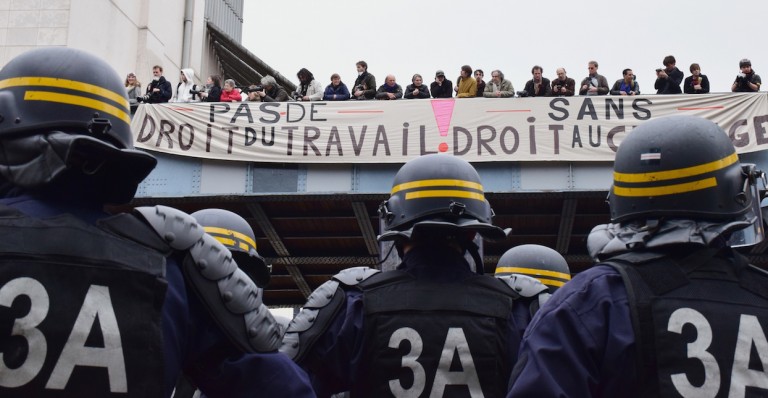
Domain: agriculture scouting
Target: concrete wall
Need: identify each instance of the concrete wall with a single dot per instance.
(130, 35)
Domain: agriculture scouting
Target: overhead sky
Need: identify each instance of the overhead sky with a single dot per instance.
(403, 37)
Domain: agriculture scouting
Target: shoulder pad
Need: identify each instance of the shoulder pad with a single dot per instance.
(178, 229)
(524, 285)
(231, 297)
(313, 319)
(355, 275)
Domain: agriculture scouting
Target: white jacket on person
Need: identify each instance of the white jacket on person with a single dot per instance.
(314, 91)
(182, 89)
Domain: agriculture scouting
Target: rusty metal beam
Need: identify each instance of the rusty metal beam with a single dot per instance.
(364, 221)
(274, 239)
(565, 230)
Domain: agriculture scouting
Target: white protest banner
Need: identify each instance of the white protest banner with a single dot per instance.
(582, 128)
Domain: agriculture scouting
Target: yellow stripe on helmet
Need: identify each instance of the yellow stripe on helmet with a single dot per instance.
(67, 84)
(436, 183)
(78, 101)
(225, 236)
(666, 189)
(444, 193)
(533, 271)
(677, 173)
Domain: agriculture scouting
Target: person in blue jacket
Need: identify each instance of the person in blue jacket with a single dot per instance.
(671, 309)
(93, 304)
(433, 326)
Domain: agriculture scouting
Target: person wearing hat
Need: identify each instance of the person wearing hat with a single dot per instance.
(441, 87)
(747, 81)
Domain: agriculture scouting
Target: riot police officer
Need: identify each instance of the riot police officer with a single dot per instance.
(536, 261)
(671, 309)
(431, 327)
(92, 304)
(536, 270)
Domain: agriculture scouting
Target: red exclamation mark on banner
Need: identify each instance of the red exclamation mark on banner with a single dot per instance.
(443, 110)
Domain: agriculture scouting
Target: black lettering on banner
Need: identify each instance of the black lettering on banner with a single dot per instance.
(166, 129)
(502, 140)
(617, 109)
(467, 146)
(587, 109)
(422, 143)
(230, 138)
(334, 140)
(381, 139)
(289, 136)
(251, 136)
(761, 135)
(591, 141)
(191, 136)
(483, 142)
(739, 140)
(148, 120)
(312, 112)
(292, 105)
(554, 104)
(576, 138)
(309, 140)
(208, 137)
(243, 110)
(555, 128)
(265, 108)
(611, 133)
(404, 149)
(532, 135)
(223, 108)
(357, 145)
(640, 112)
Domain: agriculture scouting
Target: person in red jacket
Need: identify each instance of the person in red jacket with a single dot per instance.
(230, 93)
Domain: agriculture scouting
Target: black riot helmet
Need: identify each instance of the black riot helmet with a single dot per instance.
(540, 262)
(679, 166)
(64, 110)
(439, 193)
(236, 235)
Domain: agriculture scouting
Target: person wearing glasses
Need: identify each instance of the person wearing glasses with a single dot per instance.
(594, 83)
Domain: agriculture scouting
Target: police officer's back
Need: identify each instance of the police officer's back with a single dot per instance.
(431, 327)
(671, 310)
(98, 305)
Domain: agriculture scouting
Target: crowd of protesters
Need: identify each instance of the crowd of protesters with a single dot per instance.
(469, 84)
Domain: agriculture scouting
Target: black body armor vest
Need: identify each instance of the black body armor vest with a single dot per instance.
(80, 310)
(699, 322)
(426, 338)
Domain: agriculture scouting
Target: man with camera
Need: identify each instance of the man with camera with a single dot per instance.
(594, 83)
(159, 90)
(668, 79)
(271, 91)
(747, 81)
(563, 86)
